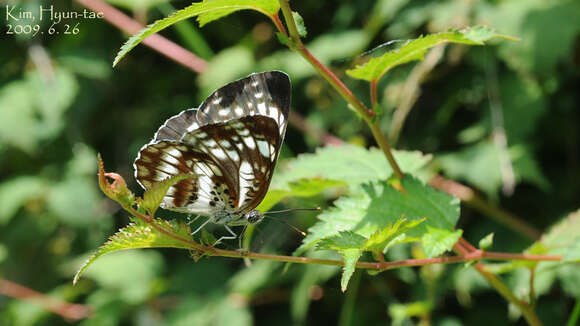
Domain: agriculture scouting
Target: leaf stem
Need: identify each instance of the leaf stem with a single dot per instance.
(474, 255)
(465, 249)
(212, 251)
(367, 114)
(384, 145)
(276, 20)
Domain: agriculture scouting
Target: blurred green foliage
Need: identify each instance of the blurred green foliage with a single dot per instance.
(61, 103)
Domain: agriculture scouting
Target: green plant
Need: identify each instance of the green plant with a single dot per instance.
(384, 204)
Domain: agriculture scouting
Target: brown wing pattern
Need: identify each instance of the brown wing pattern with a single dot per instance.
(233, 163)
(230, 144)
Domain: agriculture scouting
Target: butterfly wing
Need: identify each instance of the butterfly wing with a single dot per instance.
(232, 164)
(230, 145)
(266, 93)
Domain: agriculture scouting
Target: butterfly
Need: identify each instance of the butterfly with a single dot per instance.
(229, 146)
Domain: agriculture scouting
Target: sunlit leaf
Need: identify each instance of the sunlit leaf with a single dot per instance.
(402, 312)
(437, 241)
(343, 240)
(136, 236)
(486, 242)
(561, 239)
(391, 235)
(15, 193)
(153, 197)
(351, 257)
(300, 188)
(205, 11)
(413, 50)
(373, 207)
(130, 275)
(348, 163)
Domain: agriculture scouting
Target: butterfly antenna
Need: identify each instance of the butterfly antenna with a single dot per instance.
(302, 233)
(291, 210)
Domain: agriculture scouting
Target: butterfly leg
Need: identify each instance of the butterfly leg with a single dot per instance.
(191, 220)
(201, 226)
(227, 237)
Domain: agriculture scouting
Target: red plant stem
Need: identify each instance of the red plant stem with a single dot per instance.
(67, 310)
(465, 248)
(211, 251)
(276, 20)
(155, 41)
(334, 81)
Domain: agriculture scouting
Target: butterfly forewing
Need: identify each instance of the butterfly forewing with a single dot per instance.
(230, 145)
(266, 94)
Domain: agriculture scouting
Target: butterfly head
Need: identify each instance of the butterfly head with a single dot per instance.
(254, 216)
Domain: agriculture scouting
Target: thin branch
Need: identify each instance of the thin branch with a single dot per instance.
(471, 198)
(70, 311)
(212, 251)
(384, 145)
(465, 248)
(367, 114)
(155, 41)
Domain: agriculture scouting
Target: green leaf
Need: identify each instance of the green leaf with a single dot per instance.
(486, 242)
(206, 11)
(135, 236)
(562, 239)
(153, 197)
(401, 312)
(437, 241)
(413, 50)
(479, 165)
(351, 164)
(391, 235)
(299, 24)
(16, 192)
(323, 47)
(33, 107)
(300, 188)
(373, 207)
(378, 241)
(130, 277)
(343, 240)
(351, 257)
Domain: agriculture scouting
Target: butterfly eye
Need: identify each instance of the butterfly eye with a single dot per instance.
(254, 217)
